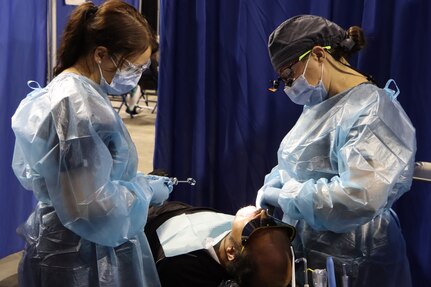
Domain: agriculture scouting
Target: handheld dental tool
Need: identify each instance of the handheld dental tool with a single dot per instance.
(189, 180)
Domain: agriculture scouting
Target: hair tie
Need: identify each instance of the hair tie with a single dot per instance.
(347, 44)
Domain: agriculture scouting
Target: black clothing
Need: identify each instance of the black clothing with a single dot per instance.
(195, 268)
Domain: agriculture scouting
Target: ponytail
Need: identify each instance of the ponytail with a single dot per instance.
(73, 42)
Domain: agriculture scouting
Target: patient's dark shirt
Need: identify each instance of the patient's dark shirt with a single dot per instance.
(195, 268)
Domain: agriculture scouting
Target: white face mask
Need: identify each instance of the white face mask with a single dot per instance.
(302, 93)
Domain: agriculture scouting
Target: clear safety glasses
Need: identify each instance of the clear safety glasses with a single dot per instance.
(264, 222)
(137, 69)
(286, 74)
(131, 68)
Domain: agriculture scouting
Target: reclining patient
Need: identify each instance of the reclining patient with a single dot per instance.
(195, 246)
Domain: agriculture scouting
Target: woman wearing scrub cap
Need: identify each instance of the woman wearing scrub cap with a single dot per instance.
(348, 158)
(74, 152)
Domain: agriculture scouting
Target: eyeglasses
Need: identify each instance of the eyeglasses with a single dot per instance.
(263, 222)
(131, 68)
(136, 69)
(286, 74)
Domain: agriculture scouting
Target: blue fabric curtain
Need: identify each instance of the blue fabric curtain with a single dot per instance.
(218, 124)
(23, 57)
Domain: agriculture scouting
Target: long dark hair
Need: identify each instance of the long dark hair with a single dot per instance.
(115, 25)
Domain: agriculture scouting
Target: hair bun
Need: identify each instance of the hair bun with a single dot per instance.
(356, 34)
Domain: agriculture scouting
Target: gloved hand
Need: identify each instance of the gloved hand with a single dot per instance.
(267, 197)
(161, 187)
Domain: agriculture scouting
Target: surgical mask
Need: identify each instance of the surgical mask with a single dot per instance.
(122, 82)
(302, 93)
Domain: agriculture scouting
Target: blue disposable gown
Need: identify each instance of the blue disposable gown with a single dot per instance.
(74, 152)
(340, 169)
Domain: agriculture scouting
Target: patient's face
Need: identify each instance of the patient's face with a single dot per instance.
(242, 217)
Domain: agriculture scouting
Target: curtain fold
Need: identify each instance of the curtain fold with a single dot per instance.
(217, 123)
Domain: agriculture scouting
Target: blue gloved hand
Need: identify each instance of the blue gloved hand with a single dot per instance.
(161, 187)
(267, 197)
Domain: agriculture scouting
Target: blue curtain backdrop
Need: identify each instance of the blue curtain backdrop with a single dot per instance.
(218, 124)
(23, 57)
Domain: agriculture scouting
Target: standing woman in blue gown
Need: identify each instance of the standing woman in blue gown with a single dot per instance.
(348, 158)
(74, 152)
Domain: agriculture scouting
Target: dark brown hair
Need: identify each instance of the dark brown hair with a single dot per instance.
(115, 25)
(355, 42)
(242, 267)
(242, 270)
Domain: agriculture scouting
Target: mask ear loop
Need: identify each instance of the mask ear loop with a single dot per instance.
(100, 70)
(306, 65)
(102, 78)
(321, 77)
